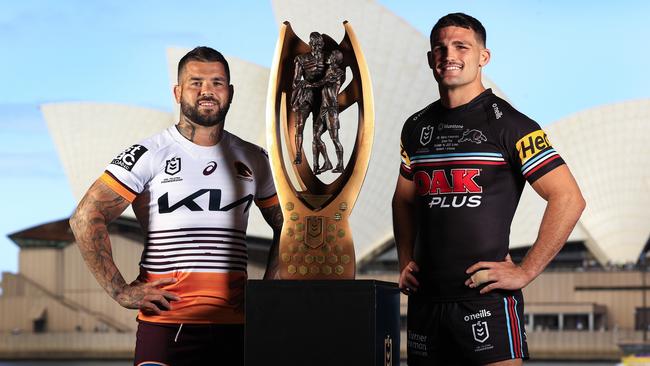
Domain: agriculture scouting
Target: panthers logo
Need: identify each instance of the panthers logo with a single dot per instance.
(474, 136)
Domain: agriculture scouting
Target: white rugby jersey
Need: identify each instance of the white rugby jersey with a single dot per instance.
(192, 203)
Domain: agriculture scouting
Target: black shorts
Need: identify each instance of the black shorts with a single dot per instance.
(191, 344)
(471, 332)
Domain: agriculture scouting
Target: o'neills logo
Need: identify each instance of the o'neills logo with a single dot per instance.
(481, 314)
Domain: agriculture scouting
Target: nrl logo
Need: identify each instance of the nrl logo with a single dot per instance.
(426, 135)
(480, 331)
(173, 166)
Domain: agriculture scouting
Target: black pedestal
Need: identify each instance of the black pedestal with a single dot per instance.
(338, 322)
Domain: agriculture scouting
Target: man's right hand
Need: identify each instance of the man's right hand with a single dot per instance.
(408, 283)
(147, 296)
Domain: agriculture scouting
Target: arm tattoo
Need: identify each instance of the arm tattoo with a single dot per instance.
(89, 223)
(273, 216)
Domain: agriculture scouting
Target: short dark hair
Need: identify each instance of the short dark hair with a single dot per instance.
(460, 20)
(203, 54)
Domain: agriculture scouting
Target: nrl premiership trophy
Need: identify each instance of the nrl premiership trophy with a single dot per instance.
(305, 82)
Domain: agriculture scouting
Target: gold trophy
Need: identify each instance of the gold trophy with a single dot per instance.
(306, 80)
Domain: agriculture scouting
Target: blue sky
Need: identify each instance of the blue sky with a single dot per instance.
(551, 58)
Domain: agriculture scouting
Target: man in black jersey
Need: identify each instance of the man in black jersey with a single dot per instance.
(465, 160)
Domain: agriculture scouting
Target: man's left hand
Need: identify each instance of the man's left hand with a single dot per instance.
(504, 275)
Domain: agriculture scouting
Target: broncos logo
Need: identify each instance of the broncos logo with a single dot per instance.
(474, 136)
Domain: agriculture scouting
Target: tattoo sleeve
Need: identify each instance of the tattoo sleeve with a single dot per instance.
(273, 216)
(89, 223)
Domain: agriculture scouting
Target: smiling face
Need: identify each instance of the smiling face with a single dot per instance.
(456, 58)
(204, 93)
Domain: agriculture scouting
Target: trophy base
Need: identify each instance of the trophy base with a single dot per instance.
(318, 322)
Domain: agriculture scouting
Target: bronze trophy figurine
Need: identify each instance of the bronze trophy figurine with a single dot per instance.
(306, 80)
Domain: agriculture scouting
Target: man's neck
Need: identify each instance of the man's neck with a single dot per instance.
(200, 135)
(456, 97)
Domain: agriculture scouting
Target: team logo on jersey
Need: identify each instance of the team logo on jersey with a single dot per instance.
(129, 157)
(531, 145)
(243, 171)
(173, 166)
(497, 112)
(212, 166)
(480, 331)
(426, 135)
(474, 136)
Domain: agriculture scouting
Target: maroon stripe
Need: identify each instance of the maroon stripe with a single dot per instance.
(197, 229)
(210, 257)
(170, 263)
(266, 198)
(196, 242)
(154, 253)
(514, 329)
(121, 183)
(195, 236)
(195, 267)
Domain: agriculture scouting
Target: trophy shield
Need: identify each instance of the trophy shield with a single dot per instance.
(305, 81)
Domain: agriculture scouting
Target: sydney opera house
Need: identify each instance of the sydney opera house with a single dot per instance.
(588, 302)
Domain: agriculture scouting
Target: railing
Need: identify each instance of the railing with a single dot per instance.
(110, 322)
(67, 345)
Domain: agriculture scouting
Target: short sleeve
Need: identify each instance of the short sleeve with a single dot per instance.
(529, 148)
(129, 172)
(265, 194)
(405, 164)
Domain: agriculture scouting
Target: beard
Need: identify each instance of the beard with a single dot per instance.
(192, 113)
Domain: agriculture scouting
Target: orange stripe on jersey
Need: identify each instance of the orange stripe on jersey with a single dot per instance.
(206, 298)
(267, 202)
(117, 187)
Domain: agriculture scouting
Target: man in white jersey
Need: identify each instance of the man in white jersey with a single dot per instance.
(191, 187)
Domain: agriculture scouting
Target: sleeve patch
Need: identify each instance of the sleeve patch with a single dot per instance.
(405, 158)
(129, 157)
(532, 145)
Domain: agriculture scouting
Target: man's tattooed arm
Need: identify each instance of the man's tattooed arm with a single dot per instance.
(89, 223)
(273, 216)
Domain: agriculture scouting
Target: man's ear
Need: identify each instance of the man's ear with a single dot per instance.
(430, 60)
(177, 93)
(485, 57)
(232, 92)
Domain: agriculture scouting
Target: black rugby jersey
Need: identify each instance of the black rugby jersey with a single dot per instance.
(469, 165)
